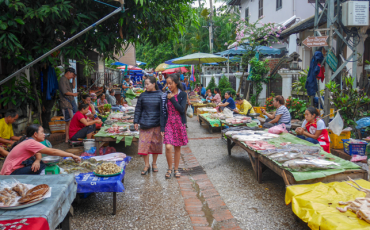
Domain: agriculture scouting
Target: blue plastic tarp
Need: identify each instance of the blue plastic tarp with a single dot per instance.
(88, 182)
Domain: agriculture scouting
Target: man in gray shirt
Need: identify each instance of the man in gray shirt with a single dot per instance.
(67, 96)
(109, 94)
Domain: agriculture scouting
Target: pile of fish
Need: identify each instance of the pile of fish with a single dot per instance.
(219, 116)
(238, 120)
(300, 158)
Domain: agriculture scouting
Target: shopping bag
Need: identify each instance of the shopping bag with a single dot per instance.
(278, 129)
(189, 112)
(228, 113)
(336, 125)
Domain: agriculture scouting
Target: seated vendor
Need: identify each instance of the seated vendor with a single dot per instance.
(102, 101)
(228, 102)
(80, 127)
(314, 130)
(3, 152)
(280, 116)
(86, 99)
(25, 155)
(244, 106)
(113, 101)
(217, 98)
(6, 128)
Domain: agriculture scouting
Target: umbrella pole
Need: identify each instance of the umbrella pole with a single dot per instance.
(228, 65)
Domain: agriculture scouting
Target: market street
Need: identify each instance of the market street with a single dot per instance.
(152, 202)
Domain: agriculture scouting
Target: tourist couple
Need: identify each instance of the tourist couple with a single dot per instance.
(161, 116)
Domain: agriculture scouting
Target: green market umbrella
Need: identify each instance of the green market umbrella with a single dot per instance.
(199, 58)
(176, 66)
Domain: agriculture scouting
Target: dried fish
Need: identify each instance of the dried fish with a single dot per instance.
(308, 165)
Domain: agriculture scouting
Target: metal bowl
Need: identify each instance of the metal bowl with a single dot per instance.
(51, 160)
(254, 114)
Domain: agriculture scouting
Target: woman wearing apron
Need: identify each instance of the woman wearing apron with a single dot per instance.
(314, 130)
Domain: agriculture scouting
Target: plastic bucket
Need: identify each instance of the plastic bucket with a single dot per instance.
(88, 144)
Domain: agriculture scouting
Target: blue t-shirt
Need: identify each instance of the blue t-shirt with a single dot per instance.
(231, 103)
(161, 84)
(203, 91)
(181, 77)
(183, 85)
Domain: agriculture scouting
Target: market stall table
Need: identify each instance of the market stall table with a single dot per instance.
(55, 209)
(211, 123)
(89, 183)
(316, 204)
(103, 137)
(340, 153)
(260, 163)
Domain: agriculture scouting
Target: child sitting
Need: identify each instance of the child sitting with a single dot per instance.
(209, 97)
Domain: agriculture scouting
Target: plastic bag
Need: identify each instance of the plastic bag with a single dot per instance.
(278, 129)
(228, 113)
(189, 112)
(336, 125)
(363, 122)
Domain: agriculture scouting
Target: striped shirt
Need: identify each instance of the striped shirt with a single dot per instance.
(285, 115)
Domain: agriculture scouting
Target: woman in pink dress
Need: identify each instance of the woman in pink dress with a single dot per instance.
(173, 128)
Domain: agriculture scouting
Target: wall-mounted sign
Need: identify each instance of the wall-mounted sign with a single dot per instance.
(315, 41)
(332, 60)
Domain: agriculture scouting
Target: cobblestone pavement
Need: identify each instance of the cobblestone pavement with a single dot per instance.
(222, 194)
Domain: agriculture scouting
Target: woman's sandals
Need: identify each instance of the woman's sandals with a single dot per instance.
(144, 172)
(168, 174)
(177, 173)
(154, 169)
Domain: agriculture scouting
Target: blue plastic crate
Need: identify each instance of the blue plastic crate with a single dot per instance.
(354, 149)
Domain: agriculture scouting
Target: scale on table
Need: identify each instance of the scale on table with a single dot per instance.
(51, 164)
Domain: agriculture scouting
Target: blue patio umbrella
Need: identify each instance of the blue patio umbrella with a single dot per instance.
(140, 63)
(118, 63)
(240, 50)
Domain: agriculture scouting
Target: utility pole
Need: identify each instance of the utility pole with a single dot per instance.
(328, 72)
(211, 28)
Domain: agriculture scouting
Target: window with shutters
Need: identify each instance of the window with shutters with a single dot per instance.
(260, 8)
(279, 4)
(247, 14)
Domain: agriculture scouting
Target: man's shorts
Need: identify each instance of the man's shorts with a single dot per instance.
(67, 114)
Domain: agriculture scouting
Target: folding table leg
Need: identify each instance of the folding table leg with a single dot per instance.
(114, 203)
(66, 224)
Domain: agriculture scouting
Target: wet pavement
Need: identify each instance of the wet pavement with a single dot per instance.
(152, 202)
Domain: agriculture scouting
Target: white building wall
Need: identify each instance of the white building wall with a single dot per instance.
(299, 8)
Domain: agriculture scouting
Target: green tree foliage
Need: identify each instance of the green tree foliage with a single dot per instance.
(30, 28)
(231, 90)
(212, 84)
(194, 38)
(224, 83)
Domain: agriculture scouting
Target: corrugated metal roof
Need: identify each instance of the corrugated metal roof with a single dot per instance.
(308, 23)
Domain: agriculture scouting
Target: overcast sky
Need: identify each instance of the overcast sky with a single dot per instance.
(195, 4)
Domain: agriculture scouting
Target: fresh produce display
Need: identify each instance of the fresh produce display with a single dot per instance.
(107, 169)
(360, 206)
(105, 109)
(86, 166)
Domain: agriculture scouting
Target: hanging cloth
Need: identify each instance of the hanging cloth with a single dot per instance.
(52, 85)
(321, 74)
(311, 83)
(250, 69)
